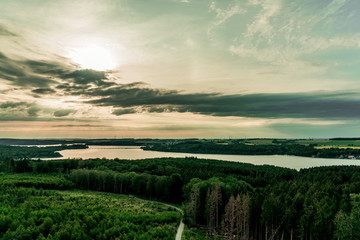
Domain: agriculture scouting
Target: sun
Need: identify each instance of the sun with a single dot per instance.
(94, 57)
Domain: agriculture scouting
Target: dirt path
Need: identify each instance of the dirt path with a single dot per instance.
(180, 230)
(181, 225)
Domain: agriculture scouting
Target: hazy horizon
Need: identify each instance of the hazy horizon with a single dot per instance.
(179, 69)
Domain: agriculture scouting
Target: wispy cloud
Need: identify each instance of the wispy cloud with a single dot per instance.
(222, 15)
(283, 32)
(6, 32)
(261, 25)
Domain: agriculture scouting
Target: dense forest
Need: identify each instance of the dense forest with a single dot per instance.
(226, 200)
(241, 148)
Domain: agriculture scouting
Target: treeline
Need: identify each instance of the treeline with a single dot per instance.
(237, 148)
(352, 139)
(187, 168)
(20, 152)
(114, 142)
(162, 188)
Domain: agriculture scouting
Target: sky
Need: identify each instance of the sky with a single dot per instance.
(179, 68)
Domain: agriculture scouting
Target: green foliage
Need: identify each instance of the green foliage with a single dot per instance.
(28, 213)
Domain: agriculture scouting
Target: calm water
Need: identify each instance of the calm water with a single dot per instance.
(133, 153)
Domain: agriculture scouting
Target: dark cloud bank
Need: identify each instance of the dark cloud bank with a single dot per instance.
(292, 105)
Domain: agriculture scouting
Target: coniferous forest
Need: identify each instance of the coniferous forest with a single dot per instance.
(221, 200)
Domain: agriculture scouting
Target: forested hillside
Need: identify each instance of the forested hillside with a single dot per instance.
(224, 199)
(21, 152)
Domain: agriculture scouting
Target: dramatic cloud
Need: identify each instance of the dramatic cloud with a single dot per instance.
(48, 68)
(87, 76)
(43, 91)
(33, 111)
(63, 112)
(9, 69)
(124, 111)
(43, 74)
(26, 73)
(18, 110)
(33, 81)
(14, 104)
(72, 88)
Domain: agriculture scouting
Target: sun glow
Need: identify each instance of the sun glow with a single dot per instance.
(94, 57)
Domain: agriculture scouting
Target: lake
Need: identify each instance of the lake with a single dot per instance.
(135, 152)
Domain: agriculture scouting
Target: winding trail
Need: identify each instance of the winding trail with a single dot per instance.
(181, 225)
(180, 230)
